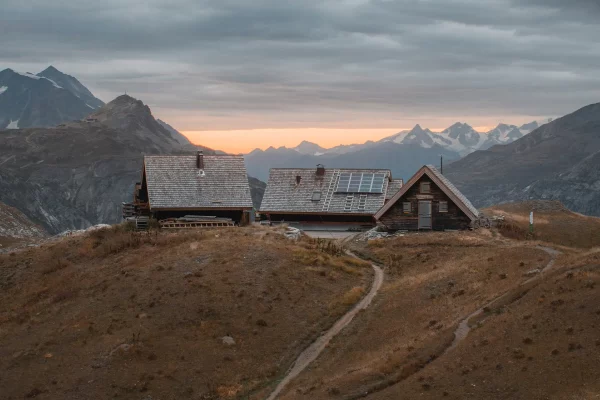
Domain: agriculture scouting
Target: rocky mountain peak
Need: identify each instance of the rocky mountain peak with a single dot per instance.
(417, 129)
(50, 70)
(306, 147)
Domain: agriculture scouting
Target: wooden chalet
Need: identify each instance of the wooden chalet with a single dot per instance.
(428, 201)
(201, 185)
(341, 199)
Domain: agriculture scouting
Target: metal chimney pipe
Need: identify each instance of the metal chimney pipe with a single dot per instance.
(200, 160)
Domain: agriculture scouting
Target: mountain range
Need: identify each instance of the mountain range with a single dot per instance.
(45, 99)
(78, 173)
(403, 153)
(558, 161)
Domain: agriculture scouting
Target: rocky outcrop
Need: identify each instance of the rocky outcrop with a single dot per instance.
(14, 224)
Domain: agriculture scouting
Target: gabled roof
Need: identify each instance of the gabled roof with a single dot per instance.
(174, 182)
(393, 188)
(284, 195)
(443, 183)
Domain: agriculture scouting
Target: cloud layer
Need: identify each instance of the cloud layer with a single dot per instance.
(237, 64)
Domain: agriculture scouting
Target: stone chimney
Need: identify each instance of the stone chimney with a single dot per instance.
(320, 170)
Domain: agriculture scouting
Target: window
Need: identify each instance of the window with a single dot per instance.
(316, 196)
(425, 187)
(407, 207)
(443, 206)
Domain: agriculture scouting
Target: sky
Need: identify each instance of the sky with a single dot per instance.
(237, 74)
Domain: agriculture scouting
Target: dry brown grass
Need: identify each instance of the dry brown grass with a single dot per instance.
(131, 315)
(552, 223)
(543, 346)
(432, 281)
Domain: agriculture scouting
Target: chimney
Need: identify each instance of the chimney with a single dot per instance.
(320, 170)
(200, 160)
(298, 179)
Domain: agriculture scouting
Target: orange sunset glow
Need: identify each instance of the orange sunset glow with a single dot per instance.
(246, 140)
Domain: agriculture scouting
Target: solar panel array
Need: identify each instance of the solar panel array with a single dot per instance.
(360, 182)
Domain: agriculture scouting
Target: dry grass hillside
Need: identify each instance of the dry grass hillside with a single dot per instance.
(553, 223)
(203, 315)
(527, 334)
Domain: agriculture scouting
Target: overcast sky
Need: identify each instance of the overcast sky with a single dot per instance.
(382, 66)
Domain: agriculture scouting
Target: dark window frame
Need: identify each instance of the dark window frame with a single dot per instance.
(427, 185)
(404, 207)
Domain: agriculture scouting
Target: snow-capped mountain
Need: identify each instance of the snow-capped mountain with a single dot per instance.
(71, 84)
(460, 138)
(306, 147)
(414, 147)
(43, 100)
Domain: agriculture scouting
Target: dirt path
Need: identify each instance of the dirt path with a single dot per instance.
(463, 329)
(313, 351)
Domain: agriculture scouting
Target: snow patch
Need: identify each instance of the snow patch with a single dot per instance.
(13, 124)
(29, 75)
(3, 89)
(53, 83)
(89, 105)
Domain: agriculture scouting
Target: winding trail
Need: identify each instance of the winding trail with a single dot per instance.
(463, 329)
(313, 351)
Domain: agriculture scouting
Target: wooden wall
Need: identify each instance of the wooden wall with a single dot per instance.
(396, 219)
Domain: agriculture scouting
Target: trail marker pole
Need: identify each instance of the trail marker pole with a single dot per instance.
(531, 222)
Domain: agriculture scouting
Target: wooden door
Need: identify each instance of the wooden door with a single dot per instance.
(424, 214)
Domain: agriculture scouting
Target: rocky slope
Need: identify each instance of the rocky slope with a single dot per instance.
(174, 132)
(77, 174)
(14, 224)
(558, 161)
(71, 84)
(46, 99)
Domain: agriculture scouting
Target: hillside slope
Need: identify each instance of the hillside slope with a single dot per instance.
(469, 315)
(78, 174)
(558, 161)
(15, 226)
(165, 316)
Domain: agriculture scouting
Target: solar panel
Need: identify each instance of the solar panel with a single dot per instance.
(359, 182)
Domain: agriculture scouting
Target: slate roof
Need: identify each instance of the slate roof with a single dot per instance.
(173, 182)
(436, 176)
(393, 188)
(283, 195)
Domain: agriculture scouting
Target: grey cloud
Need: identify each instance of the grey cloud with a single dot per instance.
(309, 60)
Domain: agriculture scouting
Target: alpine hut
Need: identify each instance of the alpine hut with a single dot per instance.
(200, 185)
(428, 201)
(327, 199)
